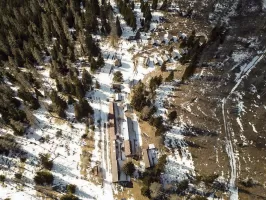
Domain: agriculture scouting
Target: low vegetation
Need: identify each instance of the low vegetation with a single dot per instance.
(43, 178)
(71, 188)
(2, 178)
(46, 162)
(172, 115)
(8, 143)
(118, 77)
(129, 168)
(151, 179)
(69, 197)
(18, 176)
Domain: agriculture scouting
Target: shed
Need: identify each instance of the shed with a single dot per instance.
(174, 39)
(170, 37)
(183, 51)
(156, 42)
(118, 97)
(165, 58)
(182, 35)
(164, 39)
(151, 146)
(127, 107)
(175, 54)
(149, 61)
(152, 154)
(160, 60)
(155, 61)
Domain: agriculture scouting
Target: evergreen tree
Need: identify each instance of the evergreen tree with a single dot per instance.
(170, 77)
(139, 100)
(164, 5)
(137, 37)
(154, 4)
(147, 14)
(95, 7)
(163, 67)
(86, 80)
(118, 27)
(129, 168)
(132, 5)
(37, 55)
(79, 90)
(100, 61)
(118, 77)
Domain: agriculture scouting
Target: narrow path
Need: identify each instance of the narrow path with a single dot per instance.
(107, 184)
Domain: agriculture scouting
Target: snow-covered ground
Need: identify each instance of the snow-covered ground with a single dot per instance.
(264, 4)
(179, 164)
(65, 152)
(245, 69)
(67, 149)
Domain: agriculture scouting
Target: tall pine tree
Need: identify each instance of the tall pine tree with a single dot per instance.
(118, 27)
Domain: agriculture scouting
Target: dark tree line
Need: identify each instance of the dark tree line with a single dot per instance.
(195, 49)
(34, 33)
(145, 9)
(126, 10)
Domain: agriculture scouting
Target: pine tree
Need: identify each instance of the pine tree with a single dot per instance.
(118, 27)
(142, 5)
(86, 79)
(107, 27)
(164, 5)
(148, 15)
(129, 168)
(37, 55)
(137, 37)
(95, 7)
(163, 67)
(79, 90)
(170, 77)
(100, 61)
(132, 5)
(154, 4)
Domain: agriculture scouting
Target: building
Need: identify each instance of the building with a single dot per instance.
(150, 156)
(118, 97)
(174, 39)
(175, 54)
(160, 60)
(149, 62)
(165, 58)
(127, 108)
(182, 35)
(112, 138)
(120, 145)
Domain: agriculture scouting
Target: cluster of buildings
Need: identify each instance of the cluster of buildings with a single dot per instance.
(124, 142)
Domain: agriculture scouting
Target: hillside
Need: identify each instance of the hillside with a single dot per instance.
(132, 99)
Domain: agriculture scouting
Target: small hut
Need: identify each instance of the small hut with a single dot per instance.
(175, 54)
(149, 62)
(165, 58)
(160, 60)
